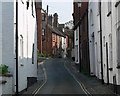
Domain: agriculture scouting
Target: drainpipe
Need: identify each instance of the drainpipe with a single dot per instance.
(79, 49)
(101, 44)
(16, 47)
(107, 63)
(88, 42)
(80, 65)
(46, 31)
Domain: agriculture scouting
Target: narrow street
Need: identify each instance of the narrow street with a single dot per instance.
(59, 81)
(60, 47)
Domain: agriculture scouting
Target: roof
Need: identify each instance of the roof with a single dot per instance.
(56, 31)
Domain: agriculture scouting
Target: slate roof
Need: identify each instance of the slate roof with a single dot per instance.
(56, 31)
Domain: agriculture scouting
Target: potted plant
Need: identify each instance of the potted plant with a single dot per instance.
(4, 72)
(3, 69)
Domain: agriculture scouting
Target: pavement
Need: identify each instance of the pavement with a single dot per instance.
(91, 84)
(66, 72)
(41, 78)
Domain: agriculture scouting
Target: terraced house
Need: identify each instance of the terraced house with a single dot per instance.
(104, 19)
(81, 38)
(53, 42)
(18, 44)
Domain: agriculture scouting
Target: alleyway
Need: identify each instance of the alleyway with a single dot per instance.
(59, 81)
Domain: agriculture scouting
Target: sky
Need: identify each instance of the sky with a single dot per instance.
(64, 9)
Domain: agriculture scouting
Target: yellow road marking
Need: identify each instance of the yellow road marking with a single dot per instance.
(80, 83)
(38, 89)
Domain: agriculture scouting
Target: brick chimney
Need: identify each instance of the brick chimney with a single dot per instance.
(50, 20)
(38, 4)
(55, 22)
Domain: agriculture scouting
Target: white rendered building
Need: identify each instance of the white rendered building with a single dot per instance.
(110, 21)
(27, 40)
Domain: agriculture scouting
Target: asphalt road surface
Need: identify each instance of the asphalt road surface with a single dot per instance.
(59, 80)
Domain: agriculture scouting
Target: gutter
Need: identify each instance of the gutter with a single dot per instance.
(80, 20)
(59, 34)
(101, 45)
(16, 47)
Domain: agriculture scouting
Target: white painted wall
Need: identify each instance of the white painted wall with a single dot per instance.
(7, 87)
(94, 39)
(27, 34)
(76, 41)
(106, 31)
(7, 37)
(27, 28)
(110, 25)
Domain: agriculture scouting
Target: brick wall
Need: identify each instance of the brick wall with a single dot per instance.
(81, 12)
(39, 29)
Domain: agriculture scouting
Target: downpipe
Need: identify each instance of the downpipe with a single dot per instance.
(17, 48)
(101, 44)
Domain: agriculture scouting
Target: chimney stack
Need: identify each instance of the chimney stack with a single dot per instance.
(55, 22)
(50, 19)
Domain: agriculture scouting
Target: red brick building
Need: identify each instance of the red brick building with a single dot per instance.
(80, 17)
(51, 36)
(39, 25)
